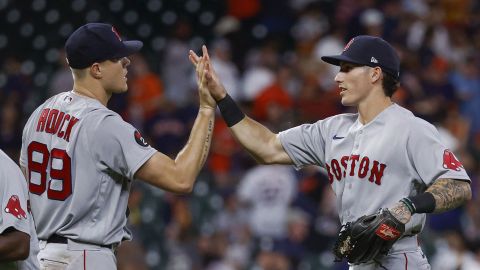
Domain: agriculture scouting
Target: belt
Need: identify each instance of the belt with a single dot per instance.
(58, 239)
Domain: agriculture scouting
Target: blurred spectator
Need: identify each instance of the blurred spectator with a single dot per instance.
(461, 48)
(372, 21)
(457, 12)
(145, 94)
(313, 103)
(310, 25)
(272, 260)
(267, 191)
(456, 126)
(355, 25)
(232, 220)
(181, 252)
(293, 246)
(10, 129)
(227, 71)
(259, 73)
(345, 10)
(243, 9)
(428, 31)
(222, 151)
(393, 20)
(466, 81)
(330, 44)
(212, 249)
(326, 224)
(437, 93)
(16, 85)
(276, 17)
(168, 128)
(175, 64)
(471, 221)
(62, 79)
(453, 255)
(274, 95)
(131, 256)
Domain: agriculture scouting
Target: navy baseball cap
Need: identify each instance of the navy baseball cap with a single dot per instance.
(368, 51)
(97, 42)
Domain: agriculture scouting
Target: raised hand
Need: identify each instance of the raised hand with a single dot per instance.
(211, 80)
(203, 75)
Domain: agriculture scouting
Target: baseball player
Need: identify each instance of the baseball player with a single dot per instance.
(380, 157)
(80, 158)
(18, 239)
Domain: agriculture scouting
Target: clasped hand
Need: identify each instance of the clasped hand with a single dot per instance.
(209, 85)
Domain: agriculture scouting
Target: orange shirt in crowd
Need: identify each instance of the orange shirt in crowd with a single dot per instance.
(146, 92)
(271, 94)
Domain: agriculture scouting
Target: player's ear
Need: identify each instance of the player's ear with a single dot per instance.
(376, 74)
(95, 71)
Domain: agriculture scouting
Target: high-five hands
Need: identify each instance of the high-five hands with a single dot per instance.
(207, 78)
(203, 77)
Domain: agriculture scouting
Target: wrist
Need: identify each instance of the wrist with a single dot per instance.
(401, 212)
(421, 203)
(206, 109)
(408, 205)
(221, 97)
(231, 113)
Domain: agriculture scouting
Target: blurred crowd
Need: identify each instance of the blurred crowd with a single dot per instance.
(267, 53)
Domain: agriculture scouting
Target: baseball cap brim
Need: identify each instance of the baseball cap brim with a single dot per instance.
(129, 47)
(337, 59)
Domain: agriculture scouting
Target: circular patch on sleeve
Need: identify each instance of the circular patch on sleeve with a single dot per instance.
(139, 139)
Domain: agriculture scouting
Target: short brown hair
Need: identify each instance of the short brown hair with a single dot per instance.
(390, 84)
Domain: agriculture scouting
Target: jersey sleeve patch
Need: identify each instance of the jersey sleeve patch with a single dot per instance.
(14, 208)
(450, 161)
(139, 139)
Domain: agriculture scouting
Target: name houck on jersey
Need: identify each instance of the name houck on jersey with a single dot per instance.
(53, 121)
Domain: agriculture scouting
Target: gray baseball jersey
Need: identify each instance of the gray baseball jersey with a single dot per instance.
(14, 199)
(80, 159)
(375, 165)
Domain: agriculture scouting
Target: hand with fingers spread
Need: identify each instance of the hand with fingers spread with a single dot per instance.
(206, 75)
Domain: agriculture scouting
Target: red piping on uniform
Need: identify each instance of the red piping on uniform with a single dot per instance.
(84, 259)
(406, 261)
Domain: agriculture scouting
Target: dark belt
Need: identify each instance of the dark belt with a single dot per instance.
(58, 239)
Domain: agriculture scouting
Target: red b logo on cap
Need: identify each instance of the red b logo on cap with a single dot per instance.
(116, 33)
(348, 44)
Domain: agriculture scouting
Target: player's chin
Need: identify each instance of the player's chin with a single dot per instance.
(347, 102)
(121, 89)
(124, 88)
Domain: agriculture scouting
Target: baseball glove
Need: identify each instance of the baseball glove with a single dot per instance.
(368, 237)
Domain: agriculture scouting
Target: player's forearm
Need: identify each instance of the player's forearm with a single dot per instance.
(441, 196)
(14, 246)
(260, 142)
(192, 157)
(449, 194)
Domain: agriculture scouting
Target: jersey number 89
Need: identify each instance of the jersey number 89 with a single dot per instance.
(62, 174)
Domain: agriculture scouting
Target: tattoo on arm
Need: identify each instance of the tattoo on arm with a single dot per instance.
(206, 146)
(449, 194)
(401, 212)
